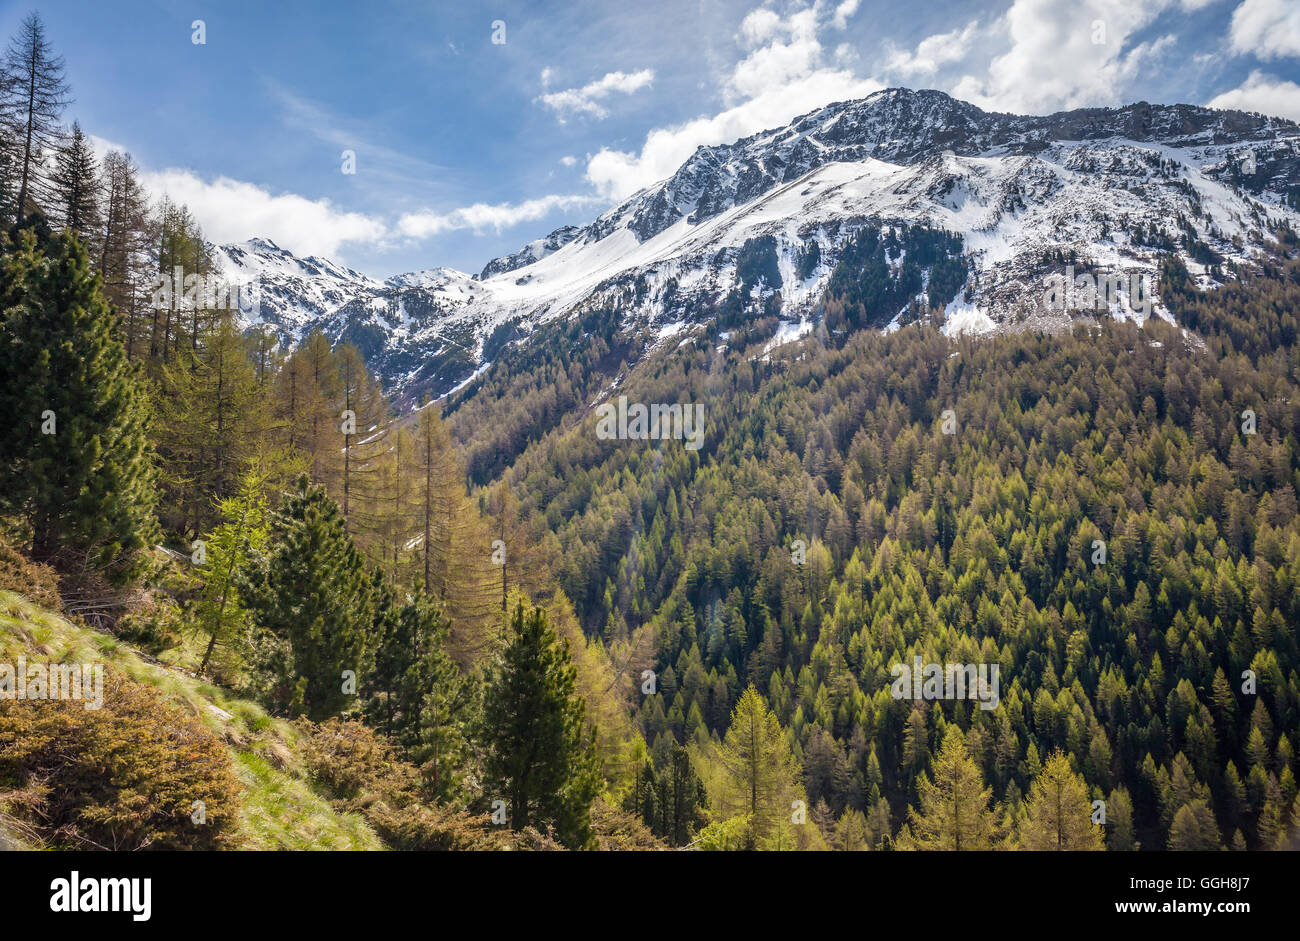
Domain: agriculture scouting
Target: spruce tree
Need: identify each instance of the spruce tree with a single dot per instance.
(74, 187)
(540, 758)
(312, 590)
(77, 466)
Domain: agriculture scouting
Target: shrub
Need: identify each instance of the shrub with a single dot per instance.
(29, 579)
(121, 777)
(365, 774)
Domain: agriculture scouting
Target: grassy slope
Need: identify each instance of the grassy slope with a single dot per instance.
(279, 808)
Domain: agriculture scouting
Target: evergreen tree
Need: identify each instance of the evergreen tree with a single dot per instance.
(77, 465)
(311, 589)
(539, 756)
(418, 696)
(674, 808)
(74, 188)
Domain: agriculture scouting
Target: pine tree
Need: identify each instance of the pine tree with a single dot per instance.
(539, 756)
(33, 97)
(77, 465)
(418, 696)
(680, 799)
(312, 590)
(1058, 814)
(954, 812)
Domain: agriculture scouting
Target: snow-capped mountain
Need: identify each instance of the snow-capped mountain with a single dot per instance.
(1115, 186)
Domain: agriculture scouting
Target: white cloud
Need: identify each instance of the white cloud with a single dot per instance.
(588, 98)
(792, 52)
(783, 74)
(932, 53)
(1270, 29)
(231, 211)
(843, 13)
(481, 216)
(759, 25)
(1064, 54)
(569, 161)
(1263, 93)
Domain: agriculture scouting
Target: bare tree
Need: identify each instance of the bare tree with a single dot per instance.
(33, 95)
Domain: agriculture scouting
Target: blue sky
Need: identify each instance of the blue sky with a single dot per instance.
(466, 148)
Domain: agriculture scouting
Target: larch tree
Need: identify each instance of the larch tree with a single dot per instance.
(34, 96)
(212, 415)
(759, 774)
(953, 811)
(1058, 814)
(125, 242)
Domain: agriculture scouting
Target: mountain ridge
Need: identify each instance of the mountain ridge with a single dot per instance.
(1113, 187)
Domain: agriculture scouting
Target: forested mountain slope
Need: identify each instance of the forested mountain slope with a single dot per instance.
(1175, 451)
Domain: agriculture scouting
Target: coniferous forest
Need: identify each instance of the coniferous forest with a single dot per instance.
(329, 618)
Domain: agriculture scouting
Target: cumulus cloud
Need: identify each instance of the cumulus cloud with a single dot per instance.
(1263, 93)
(232, 210)
(784, 72)
(1065, 54)
(933, 52)
(843, 13)
(588, 99)
(482, 216)
(1270, 29)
